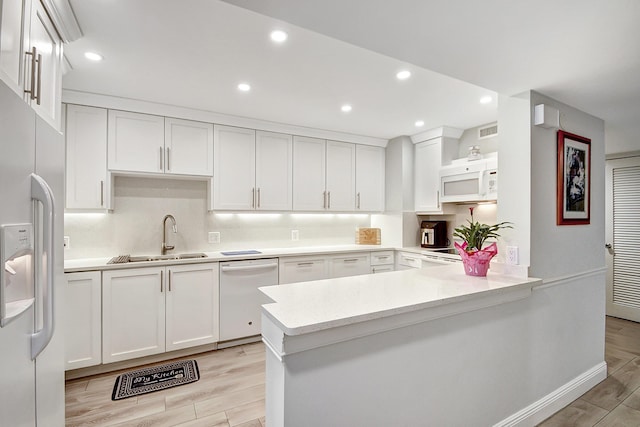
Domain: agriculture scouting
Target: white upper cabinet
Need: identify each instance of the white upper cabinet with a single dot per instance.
(309, 169)
(31, 56)
(274, 171)
(86, 150)
(323, 175)
(135, 142)
(188, 147)
(341, 176)
(252, 169)
(146, 143)
(370, 173)
(235, 168)
(429, 157)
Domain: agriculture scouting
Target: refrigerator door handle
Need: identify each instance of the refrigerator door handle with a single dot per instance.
(41, 192)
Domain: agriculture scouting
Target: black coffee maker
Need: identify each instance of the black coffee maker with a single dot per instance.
(433, 234)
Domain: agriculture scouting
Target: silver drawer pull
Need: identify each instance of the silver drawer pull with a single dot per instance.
(351, 260)
(304, 264)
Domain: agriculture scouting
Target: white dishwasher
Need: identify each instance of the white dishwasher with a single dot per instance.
(240, 299)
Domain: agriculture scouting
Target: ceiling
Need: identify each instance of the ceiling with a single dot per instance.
(193, 53)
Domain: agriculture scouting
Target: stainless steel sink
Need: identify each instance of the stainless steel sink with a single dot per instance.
(123, 259)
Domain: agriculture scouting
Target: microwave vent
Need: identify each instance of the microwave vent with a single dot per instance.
(487, 131)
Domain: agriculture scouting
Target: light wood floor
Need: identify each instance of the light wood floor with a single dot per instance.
(231, 392)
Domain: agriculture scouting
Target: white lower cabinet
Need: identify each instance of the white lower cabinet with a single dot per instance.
(382, 262)
(82, 320)
(303, 269)
(408, 260)
(147, 311)
(353, 264)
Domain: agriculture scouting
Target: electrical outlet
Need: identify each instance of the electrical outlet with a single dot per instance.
(214, 237)
(295, 235)
(67, 242)
(512, 255)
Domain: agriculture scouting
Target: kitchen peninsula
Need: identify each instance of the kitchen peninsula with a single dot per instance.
(406, 348)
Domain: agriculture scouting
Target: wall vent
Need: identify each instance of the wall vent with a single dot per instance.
(487, 131)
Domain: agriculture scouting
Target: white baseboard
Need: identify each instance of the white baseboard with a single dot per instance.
(557, 399)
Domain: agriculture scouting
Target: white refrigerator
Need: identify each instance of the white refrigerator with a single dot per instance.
(32, 285)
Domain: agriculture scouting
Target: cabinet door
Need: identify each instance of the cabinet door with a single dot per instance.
(370, 174)
(349, 265)
(188, 147)
(135, 142)
(82, 326)
(427, 167)
(341, 176)
(133, 313)
(192, 305)
(303, 269)
(44, 38)
(274, 171)
(86, 146)
(309, 168)
(12, 26)
(234, 170)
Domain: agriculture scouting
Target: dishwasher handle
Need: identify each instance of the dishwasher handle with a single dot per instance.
(248, 267)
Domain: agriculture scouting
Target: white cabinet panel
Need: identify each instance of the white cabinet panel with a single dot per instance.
(274, 171)
(430, 156)
(133, 313)
(86, 150)
(234, 172)
(303, 269)
(192, 305)
(135, 142)
(341, 176)
(309, 168)
(48, 47)
(83, 322)
(370, 183)
(350, 265)
(12, 26)
(382, 258)
(188, 147)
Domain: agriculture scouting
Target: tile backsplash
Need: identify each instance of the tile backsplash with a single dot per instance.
(135, 225)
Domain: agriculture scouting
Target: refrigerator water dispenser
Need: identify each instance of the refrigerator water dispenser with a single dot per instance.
(16, 280)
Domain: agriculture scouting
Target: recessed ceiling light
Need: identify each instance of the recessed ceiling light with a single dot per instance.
(279, 36)
(346, 108)
(486, 100)
(244, 87)
(403, 75)
(419, 123)
(93, 56)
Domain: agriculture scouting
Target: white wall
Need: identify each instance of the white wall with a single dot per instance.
(135, 226)
(576, 248)
(469, 138)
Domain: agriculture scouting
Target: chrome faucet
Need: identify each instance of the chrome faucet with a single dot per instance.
(166, 247)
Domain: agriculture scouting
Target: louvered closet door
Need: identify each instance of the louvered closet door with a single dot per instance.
(623, 236)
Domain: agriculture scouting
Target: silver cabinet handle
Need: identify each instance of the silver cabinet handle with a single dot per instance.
(304, 264)
(39, 95)
(438, 199)
(101, 193)
(351, 260)
(328, 199)
(168, 159)
(161, 162)
(32, 91)
(253, 197)
(358, 206)
(161, 280)
(258, 197)
(324, 200)
(169, 280)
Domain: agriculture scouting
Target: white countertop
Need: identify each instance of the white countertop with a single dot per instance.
(98, 264)
(301, 308)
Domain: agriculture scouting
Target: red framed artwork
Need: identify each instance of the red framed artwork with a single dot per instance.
(574, 179)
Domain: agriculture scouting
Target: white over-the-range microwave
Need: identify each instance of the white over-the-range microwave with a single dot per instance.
(470, 180)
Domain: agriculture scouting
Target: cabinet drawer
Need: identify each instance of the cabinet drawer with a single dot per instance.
(381, 268)
(406, 259)
(302, 269)
(381, 258)
(350, 265)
